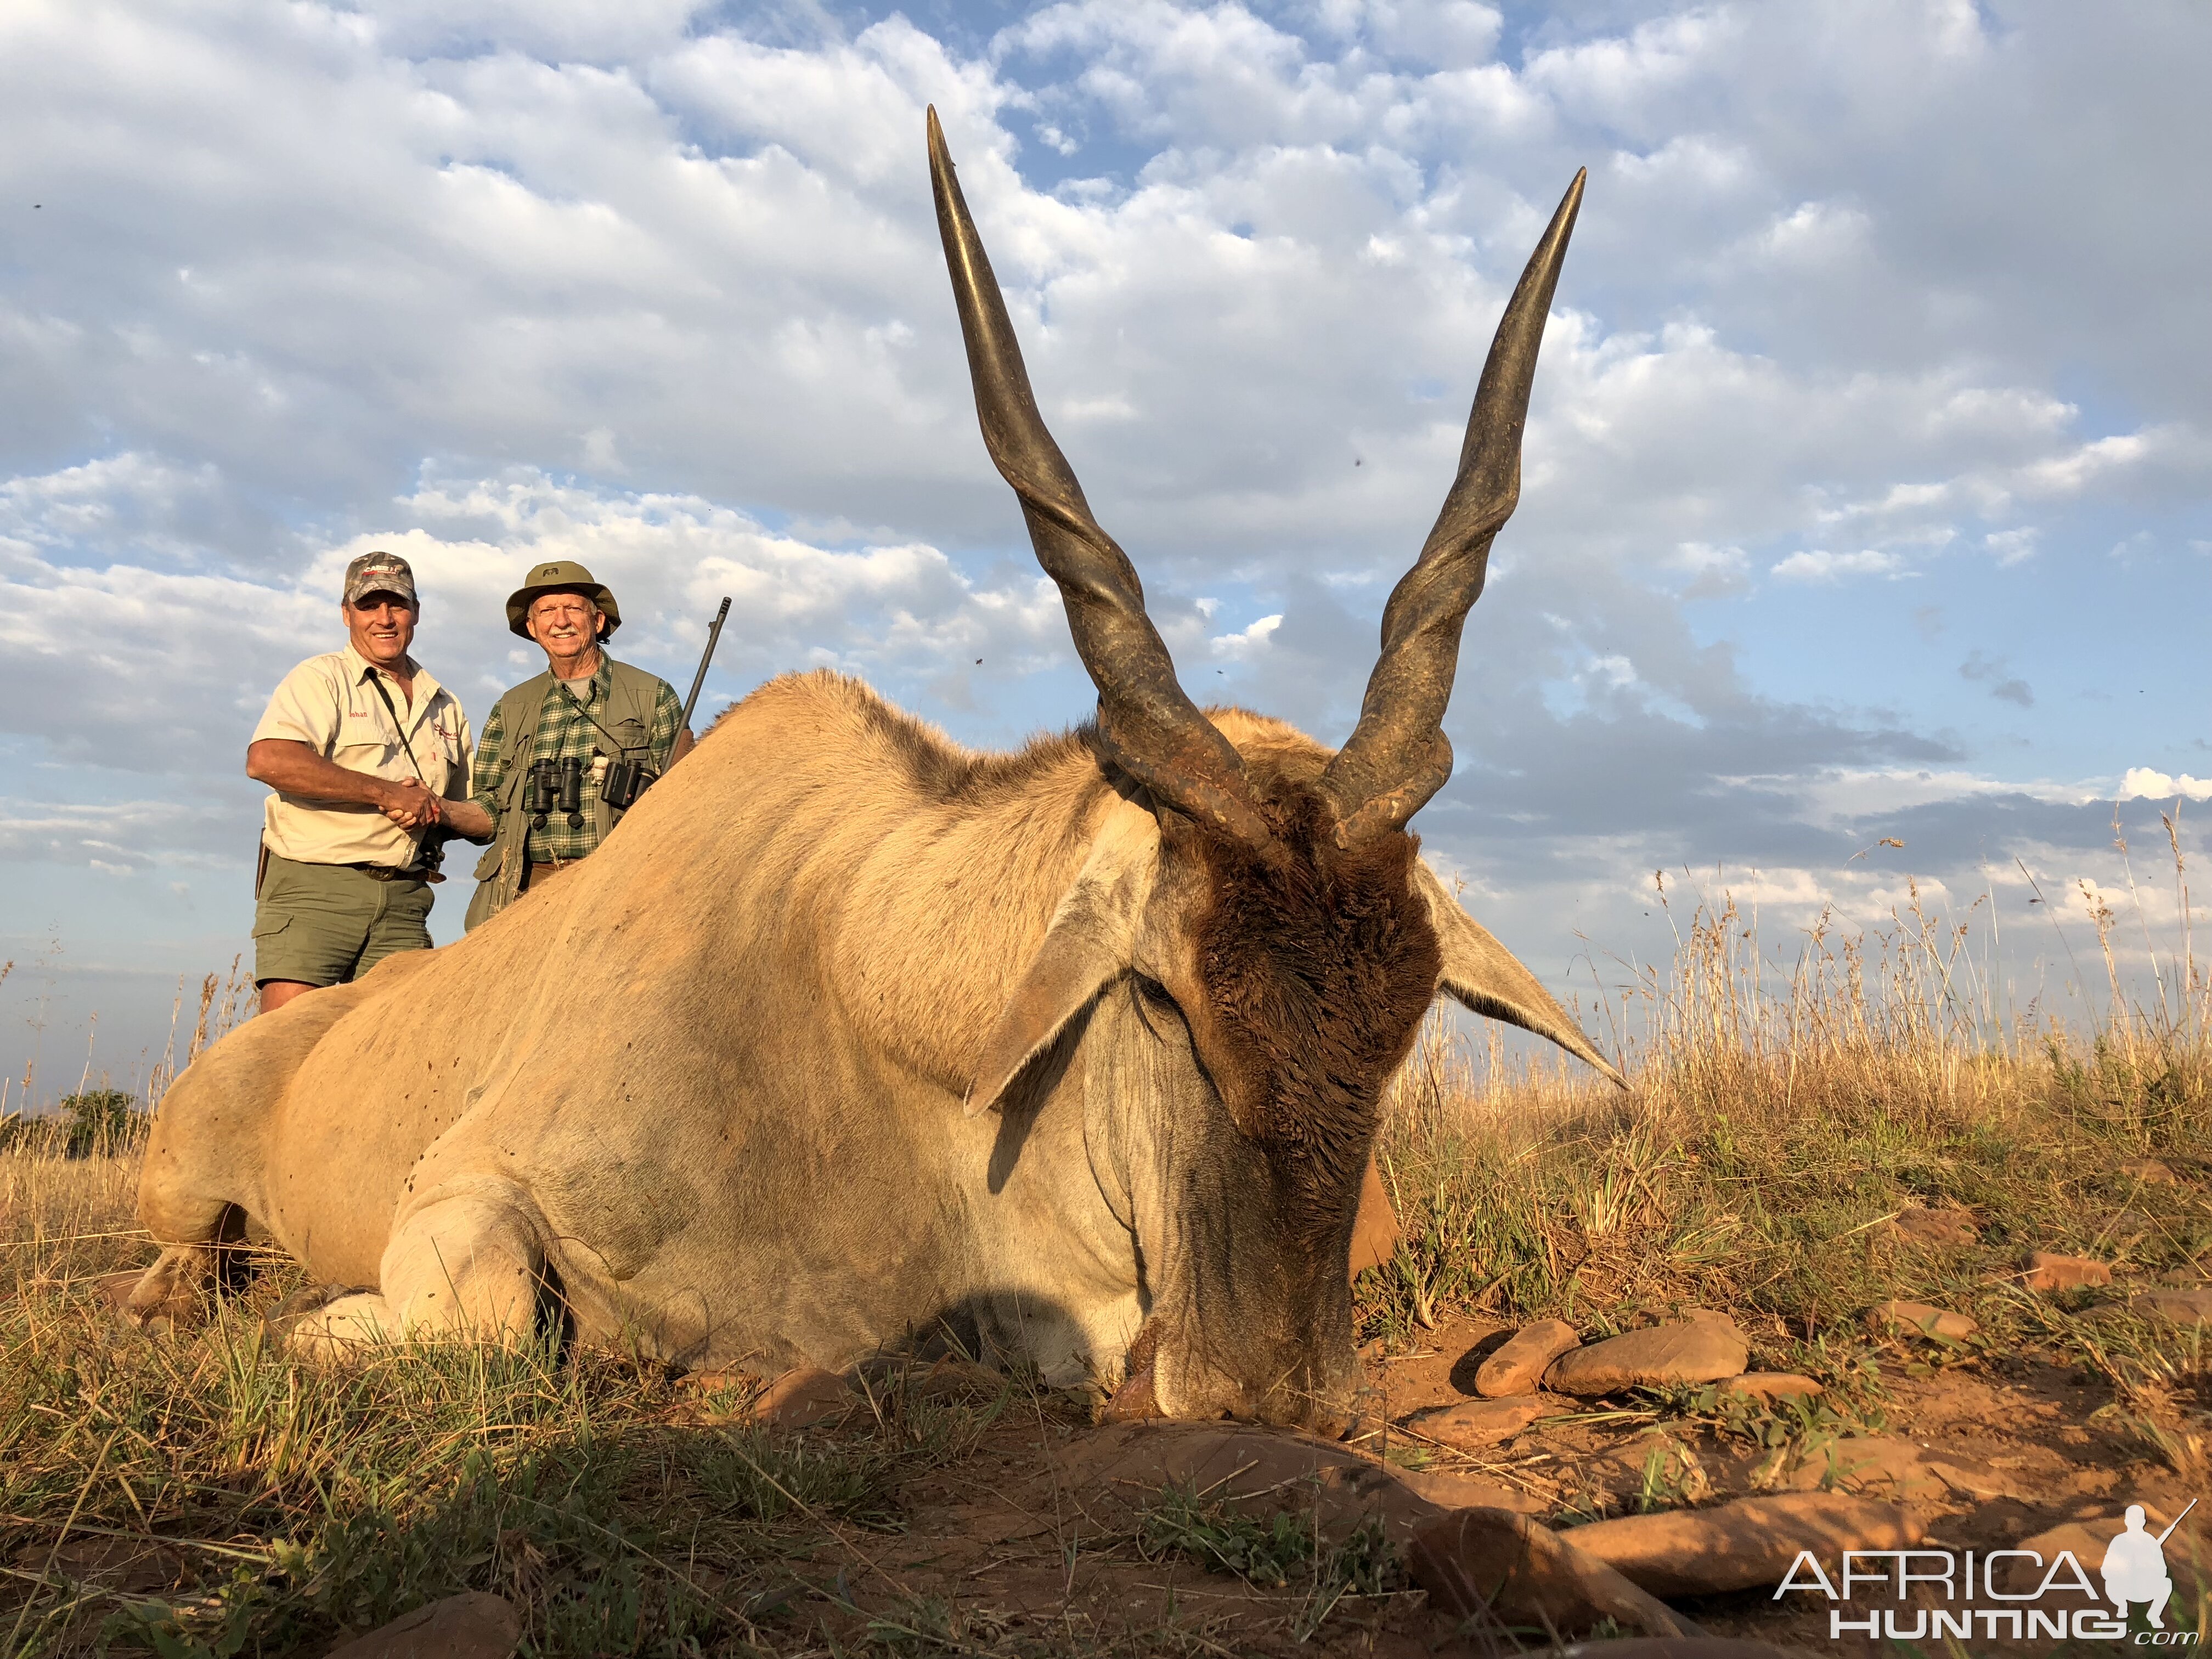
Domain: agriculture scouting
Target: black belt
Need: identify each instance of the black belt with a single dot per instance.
(386, 872)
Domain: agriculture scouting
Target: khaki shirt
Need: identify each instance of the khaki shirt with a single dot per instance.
(327, 704)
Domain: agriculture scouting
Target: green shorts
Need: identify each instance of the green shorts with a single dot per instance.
(327, 924)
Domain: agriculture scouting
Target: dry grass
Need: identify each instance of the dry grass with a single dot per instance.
(1781, 1117)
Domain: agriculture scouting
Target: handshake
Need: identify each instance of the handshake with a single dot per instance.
(409, 804)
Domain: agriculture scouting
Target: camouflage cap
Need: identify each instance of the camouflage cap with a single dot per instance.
(562, 576)
(379, 572)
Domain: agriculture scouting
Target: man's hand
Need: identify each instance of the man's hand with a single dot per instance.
(410, 806)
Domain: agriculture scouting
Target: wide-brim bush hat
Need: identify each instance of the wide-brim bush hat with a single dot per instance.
(562, 576)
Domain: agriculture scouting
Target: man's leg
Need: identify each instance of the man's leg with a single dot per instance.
(401, 922)
(310, 926)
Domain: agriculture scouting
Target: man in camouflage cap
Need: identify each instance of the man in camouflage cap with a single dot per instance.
(606, 728)
(368, 757)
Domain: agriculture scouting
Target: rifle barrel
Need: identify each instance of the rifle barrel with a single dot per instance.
(2176, 1521)
(714, 636)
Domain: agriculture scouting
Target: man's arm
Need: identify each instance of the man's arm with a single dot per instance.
(668, 735)
(477, 817)
(467, 819)
(295, 769)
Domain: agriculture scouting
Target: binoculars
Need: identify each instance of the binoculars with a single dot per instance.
(552, 787)
(624, 781)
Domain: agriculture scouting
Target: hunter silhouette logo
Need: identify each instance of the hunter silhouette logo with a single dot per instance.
(1937, 1592)
(2135, 1566)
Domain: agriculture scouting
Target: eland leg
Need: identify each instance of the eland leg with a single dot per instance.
(467, 1265)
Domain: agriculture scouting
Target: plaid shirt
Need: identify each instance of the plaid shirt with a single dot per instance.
(564, 730)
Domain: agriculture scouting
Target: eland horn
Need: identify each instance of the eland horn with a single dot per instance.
(1147, 724)
(1398, 756)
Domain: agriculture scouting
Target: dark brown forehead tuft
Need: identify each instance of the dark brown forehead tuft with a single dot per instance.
(1317, 963)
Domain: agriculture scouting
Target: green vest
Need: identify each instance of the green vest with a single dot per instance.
(632, 694)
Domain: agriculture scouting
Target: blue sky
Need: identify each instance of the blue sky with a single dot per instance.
(1866, 478)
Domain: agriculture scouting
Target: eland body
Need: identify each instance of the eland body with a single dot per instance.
(848, 1033)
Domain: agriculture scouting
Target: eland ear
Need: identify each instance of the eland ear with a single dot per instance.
(1490, 979)
(1092, 941)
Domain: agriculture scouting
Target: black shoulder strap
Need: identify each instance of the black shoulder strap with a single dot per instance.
(422, 837)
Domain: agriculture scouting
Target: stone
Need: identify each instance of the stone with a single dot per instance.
(800, 1398)
(2151, 1172)
(1746, 1545)
(2047, 1272)
(1376, 1234)
(1519, 1364)
(1470, 1491)
(1696, 1350)
(1894, 1467)
(1771, 1387)
(1920, 1319)
(1523, 1573)
(1943, 1227)
(2176, 1307)
(471, 1625)
(1479, 1422)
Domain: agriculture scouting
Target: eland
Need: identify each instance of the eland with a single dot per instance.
(849, 1038)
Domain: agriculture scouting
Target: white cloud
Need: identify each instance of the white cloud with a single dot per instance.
(2144, 783)
(1818, 565)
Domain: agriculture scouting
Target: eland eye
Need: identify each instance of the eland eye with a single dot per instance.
(1153, 992)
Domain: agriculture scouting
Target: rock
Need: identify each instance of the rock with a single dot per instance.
(1376, 1234)
(1520, 1364)
(1770, 1387)
(1920, 1319)
(1481, 1422)
(1936, 1227)
(2125, 1226)
(1896, 1468)
(1523, 1573)
(2047, 1272)
(1746, 1545)
(472, 1626)
(1697, 1351)
(2176, 1307)
(2151, 1172)
(1470, 1491)
(799, 1399)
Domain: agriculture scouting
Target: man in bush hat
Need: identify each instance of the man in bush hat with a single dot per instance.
(369, 756)
(564, 756)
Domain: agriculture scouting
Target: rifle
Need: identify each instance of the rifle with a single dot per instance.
(714, 636)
